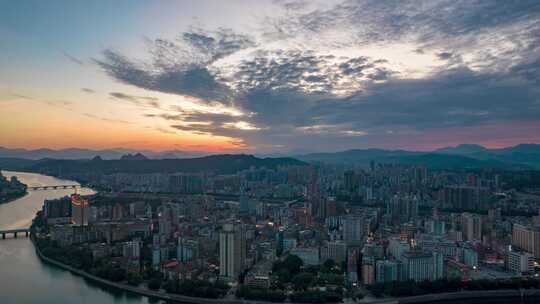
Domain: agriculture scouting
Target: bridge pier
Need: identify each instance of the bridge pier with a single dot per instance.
(54, 187)
(15, 232)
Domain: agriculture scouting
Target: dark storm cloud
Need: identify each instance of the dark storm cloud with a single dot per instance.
(301, 96)
(453, 98)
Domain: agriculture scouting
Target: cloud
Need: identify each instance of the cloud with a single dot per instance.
(87, 90)
(452, 98)
(142, 101)
(294, 5)
(22, 96)
(305, 71)
(349, 74)
(219, 124)
(444, 55)
(73, 58)
(111, 120)
(182, 66)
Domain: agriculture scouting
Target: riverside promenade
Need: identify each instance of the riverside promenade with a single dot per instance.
(141, 291)
(498, 296)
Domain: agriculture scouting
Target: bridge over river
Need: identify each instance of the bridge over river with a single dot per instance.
(53, 187)
(26, 232)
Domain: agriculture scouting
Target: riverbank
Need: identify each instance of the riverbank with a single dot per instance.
(137, 290)
(11, 189)
(481, 296)
(11, 199)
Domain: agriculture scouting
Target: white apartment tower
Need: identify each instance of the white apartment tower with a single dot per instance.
(232, 250)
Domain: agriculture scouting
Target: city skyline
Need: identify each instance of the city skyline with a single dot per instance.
(270, 151)
(269, 77)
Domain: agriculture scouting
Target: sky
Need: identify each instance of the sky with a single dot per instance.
(266, 76)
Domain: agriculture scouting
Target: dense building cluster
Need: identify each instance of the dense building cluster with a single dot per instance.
(347, 227)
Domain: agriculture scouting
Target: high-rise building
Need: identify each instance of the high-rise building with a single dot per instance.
(327, 208)
(387, 271)
(353, 229)
(402, 208)
(244, 200)
(335, 250)
(471, 226)
(396, 247)
(465, 197)
(520, 261)
(280, 244)
(117, 211)
(368, 270)
(186, 250)
(527, 239)
(351, 180)
(352, 265)
(132, 250)
(469, 256)
(186, 183)
(58, 210)
(437, 227)
(421, 265)
(407, 231)
(168, 218)
(80, 215)
(156, 257)
(232, 250)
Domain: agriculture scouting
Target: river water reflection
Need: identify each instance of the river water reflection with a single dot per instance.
(23, 278)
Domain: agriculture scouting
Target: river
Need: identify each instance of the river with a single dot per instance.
(23, 278)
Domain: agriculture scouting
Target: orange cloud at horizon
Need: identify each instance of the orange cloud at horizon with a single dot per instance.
(34, 125)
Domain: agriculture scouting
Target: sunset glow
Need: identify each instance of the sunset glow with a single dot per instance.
(174, 76)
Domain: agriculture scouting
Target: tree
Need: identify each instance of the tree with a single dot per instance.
(253, 293)
(329, 264)
(303, 280)
(283, 276)
(154, 283)
(134, 279)
(293, 263)
(116, 274)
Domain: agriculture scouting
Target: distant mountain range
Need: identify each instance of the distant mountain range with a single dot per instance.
(75, 153)
(137, 164)
(523, 156)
